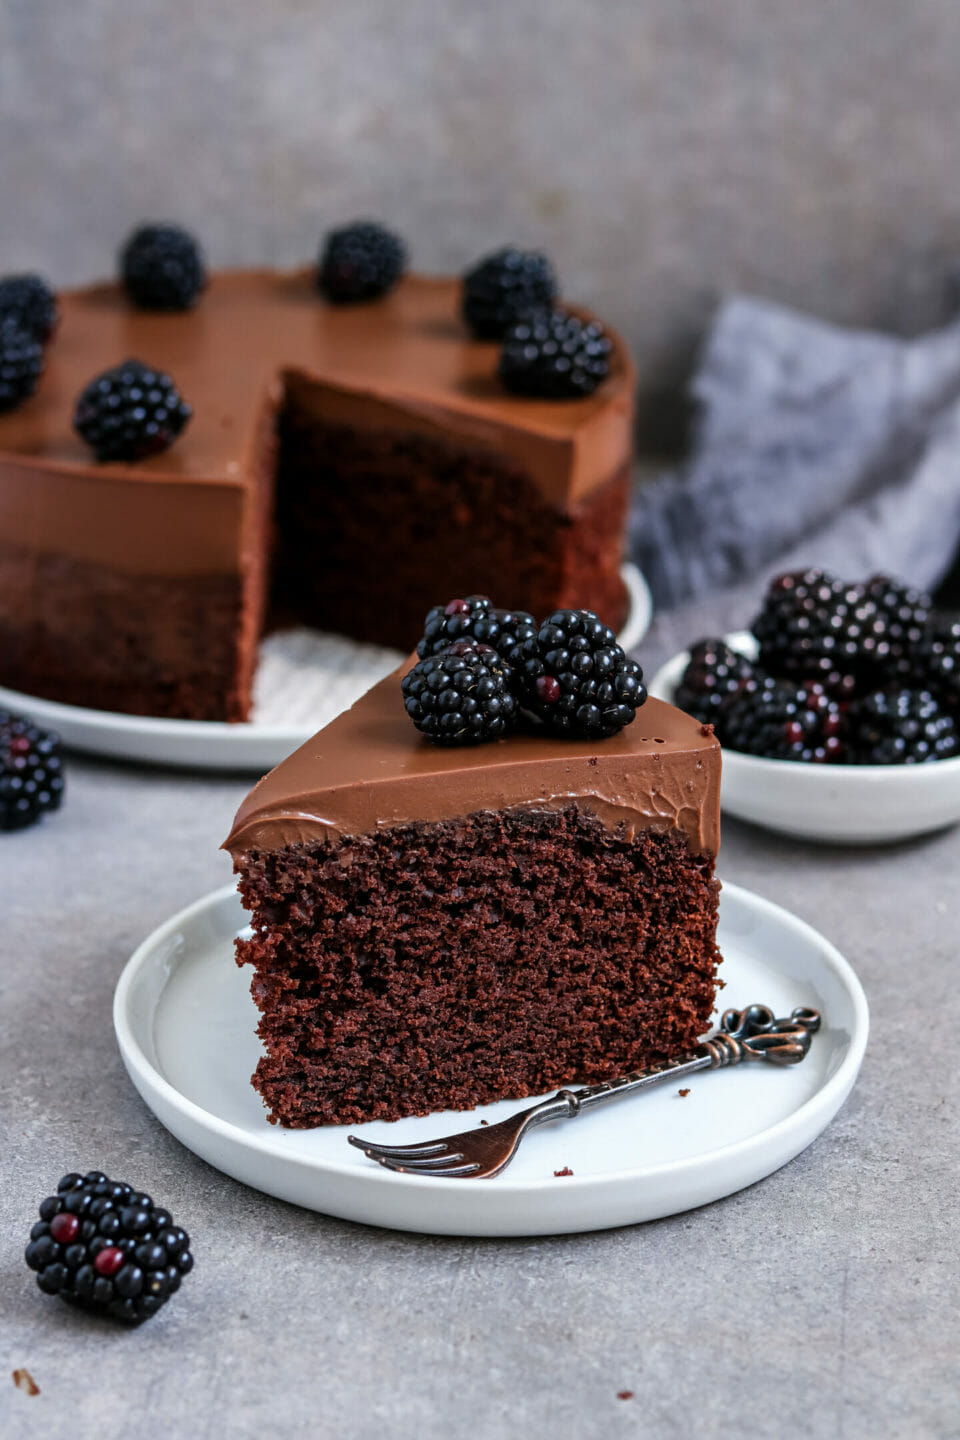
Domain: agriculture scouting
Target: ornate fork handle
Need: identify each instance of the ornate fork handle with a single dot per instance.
(751, 1034)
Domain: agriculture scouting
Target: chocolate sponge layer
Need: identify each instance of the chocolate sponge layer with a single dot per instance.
(441, 966)
(374, 528)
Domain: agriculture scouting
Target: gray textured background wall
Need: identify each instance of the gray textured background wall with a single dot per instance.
(663, 151)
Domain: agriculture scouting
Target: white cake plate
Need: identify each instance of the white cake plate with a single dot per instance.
(185, 1024)
(304, 679)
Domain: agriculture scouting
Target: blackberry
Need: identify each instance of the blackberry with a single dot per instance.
(903, 614)
(130, 412)
(31, 772)
(903, 608)
(554, 355)
(360, 262)
(21, 363)
(903, 727)
(104, 1246)
(712, 675)
(814, 627)
(461, 696)
(574, 677)
(475, 619)
(505, 286)
(779, 720)
(29, 301)
(162, 268)
(933, 663)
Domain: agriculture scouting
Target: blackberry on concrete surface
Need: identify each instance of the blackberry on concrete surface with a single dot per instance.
(902, 727)
(503, 287)
(461, 696)
(28, 300)
(162, 268)
(574, 677)
(553, 355)
(475, 618)
(360, 262)
(130, 412)
(102, 1245)
(712, 675)
(21, 363)
(780, 720)
(31, 772)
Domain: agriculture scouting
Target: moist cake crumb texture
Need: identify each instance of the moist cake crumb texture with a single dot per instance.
(444, 965)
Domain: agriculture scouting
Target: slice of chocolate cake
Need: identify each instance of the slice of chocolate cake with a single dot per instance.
(437, 928)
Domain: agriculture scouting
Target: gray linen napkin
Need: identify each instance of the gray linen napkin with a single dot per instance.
(813, 445)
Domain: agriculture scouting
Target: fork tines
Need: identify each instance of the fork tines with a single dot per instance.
(434, 1158)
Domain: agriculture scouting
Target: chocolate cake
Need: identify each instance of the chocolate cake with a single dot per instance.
(437, 928)
(374, 441)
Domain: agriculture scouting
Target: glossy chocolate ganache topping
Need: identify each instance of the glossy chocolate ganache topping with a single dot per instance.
(370, 770)
(404, 361)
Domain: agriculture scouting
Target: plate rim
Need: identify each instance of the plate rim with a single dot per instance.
(117, 723)
(836, 1084)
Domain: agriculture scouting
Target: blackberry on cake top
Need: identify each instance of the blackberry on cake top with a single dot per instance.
(474, 618)
(104, 1246)
(21, 362)
(130, 412)
(31, 772)
(574, 677)
(554, 355)
(360, 262)
(162, 268)
(29, 300)
(461, 696)
(505, 286)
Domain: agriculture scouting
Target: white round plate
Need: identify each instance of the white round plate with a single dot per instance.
(185, 1024)
(837, 804)
(304, 679)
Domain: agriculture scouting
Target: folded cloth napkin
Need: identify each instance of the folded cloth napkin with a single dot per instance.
(813, 445)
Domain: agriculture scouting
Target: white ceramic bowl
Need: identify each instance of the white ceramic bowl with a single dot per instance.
(839, 804)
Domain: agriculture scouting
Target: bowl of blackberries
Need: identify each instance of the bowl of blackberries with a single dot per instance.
(838, 711)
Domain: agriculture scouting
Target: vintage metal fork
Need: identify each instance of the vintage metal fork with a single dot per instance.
(751, 1034)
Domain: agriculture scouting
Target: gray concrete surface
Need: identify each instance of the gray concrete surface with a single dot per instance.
(822, 1302)
(663, 152)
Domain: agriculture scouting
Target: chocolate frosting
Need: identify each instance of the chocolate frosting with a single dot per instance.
(405, 362)
(370, 769)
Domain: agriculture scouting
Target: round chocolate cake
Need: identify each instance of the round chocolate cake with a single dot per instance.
(332, 464)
